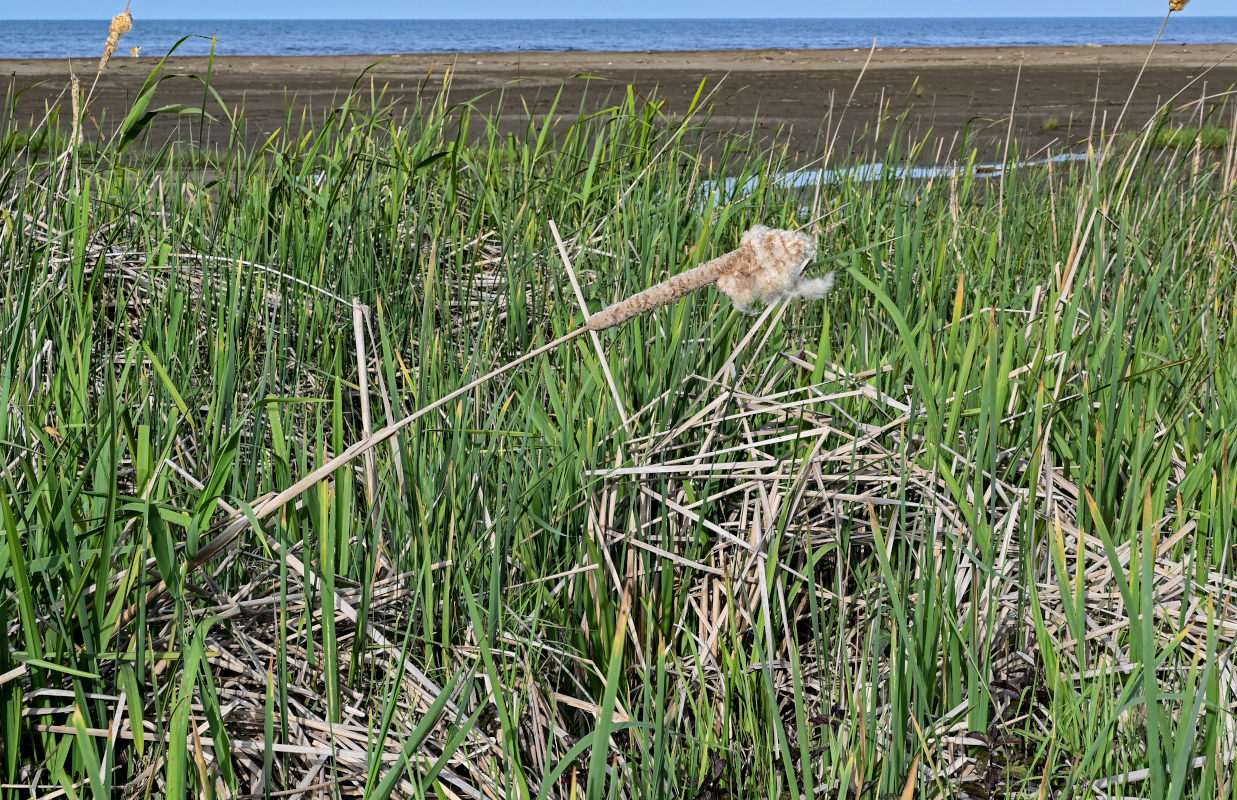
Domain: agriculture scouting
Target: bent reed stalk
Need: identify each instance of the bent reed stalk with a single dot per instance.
(766, 267)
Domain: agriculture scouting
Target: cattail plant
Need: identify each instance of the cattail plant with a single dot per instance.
(766, 267)
(122, 23)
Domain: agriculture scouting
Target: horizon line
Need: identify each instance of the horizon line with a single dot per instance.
(612, 19)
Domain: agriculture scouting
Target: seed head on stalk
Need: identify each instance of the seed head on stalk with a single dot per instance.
(766, 267)
(122, 23)
(1177, 5)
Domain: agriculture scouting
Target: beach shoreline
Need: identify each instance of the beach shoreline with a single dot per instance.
(1057, 95)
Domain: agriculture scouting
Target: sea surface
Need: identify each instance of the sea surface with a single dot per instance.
(84, 39)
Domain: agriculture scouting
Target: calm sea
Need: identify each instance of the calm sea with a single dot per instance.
(84, 39)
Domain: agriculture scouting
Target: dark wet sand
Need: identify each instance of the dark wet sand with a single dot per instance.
(1062, 93)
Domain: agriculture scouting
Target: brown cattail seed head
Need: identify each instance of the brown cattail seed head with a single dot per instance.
(75, 135)
(122, 23)
(767, 267)
(1177, 5)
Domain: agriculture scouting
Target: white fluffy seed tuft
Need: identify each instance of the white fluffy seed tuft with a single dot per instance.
(773, 270)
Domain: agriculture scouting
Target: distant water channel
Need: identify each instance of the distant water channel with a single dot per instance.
(805, 179)
(84, 38)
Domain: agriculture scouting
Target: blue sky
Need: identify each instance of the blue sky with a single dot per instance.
(504, 9)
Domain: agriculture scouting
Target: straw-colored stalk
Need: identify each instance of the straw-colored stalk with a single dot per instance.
(122, 23)
(767, 266)
(1177, 5)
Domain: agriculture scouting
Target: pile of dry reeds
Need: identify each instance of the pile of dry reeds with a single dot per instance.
(847, 486)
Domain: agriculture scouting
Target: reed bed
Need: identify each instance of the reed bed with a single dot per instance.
(961, 528)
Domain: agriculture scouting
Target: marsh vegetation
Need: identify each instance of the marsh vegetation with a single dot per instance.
(964, 528)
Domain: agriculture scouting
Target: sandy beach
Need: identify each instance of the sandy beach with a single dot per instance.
(1058, 95)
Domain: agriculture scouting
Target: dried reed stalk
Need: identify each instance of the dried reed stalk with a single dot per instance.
(767, 267)
(122, 23)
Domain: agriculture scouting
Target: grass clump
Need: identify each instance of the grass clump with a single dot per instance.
(40, 142)
(1208, 137)
(964, 529)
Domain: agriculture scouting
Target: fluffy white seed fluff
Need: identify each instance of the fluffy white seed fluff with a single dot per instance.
(774, 271)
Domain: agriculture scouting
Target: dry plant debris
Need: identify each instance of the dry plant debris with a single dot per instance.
(808, 464)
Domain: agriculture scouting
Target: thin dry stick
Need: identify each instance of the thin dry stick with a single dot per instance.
(601, 353)
(385, 394)
(367, 426)
(1009, 137)
(1176, 5)
(1163, 107)
(837, 130)
(381, 561)
(704, 102)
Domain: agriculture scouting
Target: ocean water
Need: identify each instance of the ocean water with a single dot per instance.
(84, 39)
